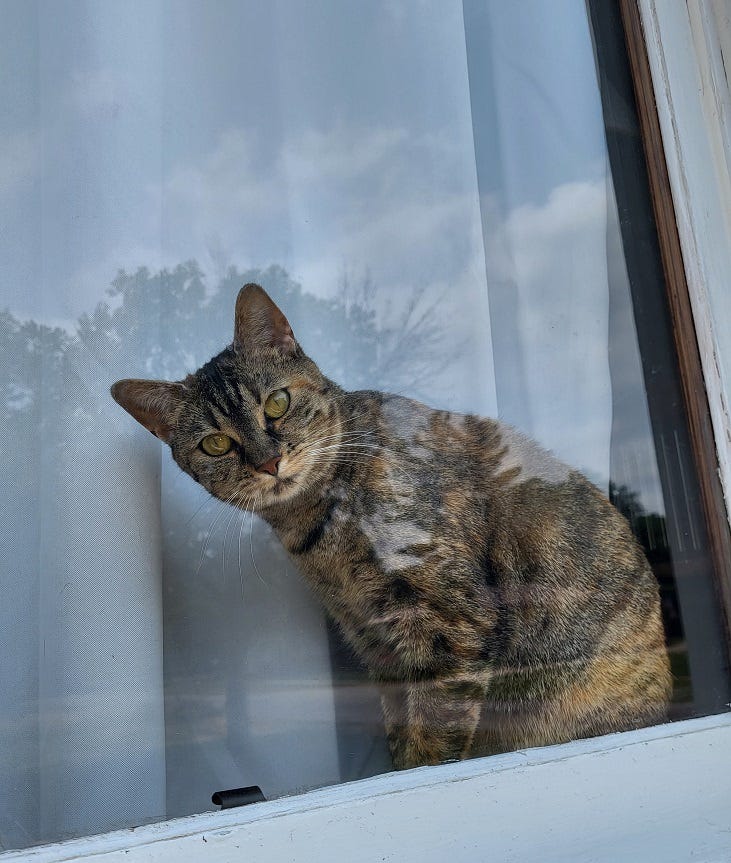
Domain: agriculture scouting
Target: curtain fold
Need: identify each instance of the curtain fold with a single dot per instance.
(542, 169)
(100, 683)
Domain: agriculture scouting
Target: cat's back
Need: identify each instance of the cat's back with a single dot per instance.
(536, 534)
(502, 498)
(576, 606)
(474, 456)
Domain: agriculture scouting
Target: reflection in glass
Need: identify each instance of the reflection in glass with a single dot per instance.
(440, 223)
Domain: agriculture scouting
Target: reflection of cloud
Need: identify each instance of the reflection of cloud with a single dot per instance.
(342, 155)
(19, 155)
(224, 192)
(402, 205)
(549, 262)
(574, 216)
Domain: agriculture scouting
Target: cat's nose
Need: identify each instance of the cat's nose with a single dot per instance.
(271, 466)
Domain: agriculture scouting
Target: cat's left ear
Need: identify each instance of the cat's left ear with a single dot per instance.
(155, 404)
(260, 324)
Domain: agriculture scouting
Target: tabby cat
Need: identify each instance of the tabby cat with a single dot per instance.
(496, 597)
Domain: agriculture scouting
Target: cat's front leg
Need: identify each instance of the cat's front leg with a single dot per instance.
(431, 721)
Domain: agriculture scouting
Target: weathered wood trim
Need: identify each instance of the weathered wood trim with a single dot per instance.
(682, 258)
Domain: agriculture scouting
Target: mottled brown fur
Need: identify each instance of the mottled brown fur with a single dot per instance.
(494, 594)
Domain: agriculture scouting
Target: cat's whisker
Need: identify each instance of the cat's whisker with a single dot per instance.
(251, 541)
(234, 511)
(342, 436)
(243, 512)
(208, 499)
(343, 457)
(332, 458)
(336, 450)
(344, 462)
(357, 416)
(347, 445)
(209, 534)
(356, 456)
(360, 448)
(325, 446)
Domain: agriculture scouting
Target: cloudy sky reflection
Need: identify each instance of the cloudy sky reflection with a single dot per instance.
(330, 138)
(433, 149)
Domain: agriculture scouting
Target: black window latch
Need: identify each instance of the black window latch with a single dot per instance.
(238, 797)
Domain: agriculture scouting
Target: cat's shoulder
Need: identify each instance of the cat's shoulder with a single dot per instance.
(509, 450)
(524, 456)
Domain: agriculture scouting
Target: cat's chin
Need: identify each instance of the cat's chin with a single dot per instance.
(263, 492)
(279, 489)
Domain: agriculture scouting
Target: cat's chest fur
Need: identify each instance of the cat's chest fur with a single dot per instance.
(395, 553)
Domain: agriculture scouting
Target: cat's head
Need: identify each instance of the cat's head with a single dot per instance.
(252, 424)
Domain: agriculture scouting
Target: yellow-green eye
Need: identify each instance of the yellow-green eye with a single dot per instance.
(276, 405)
(216, 444)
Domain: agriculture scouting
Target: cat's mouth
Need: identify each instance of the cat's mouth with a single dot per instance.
(278, 485)
(296, 472)
(281, 483)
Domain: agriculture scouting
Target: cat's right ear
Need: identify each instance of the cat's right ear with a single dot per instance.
(155, 404)
(260, 323)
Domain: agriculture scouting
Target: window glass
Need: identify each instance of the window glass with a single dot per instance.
(432, 193)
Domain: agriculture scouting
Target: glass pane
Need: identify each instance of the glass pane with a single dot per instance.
(433, 195)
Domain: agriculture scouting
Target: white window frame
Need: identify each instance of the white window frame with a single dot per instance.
(661, 793)
(689, 50)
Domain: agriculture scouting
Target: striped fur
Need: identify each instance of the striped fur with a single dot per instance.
(493, 593)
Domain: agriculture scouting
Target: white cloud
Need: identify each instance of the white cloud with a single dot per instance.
(552, 258)
(224, 190)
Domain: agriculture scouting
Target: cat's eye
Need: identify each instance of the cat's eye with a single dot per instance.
(216, 444)
(276, 405)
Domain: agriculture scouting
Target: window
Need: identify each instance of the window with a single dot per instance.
(446, 199)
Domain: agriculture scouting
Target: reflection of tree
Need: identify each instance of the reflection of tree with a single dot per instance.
(167, 323)
(29, 352)
(55, 387)
(650, 530)
(400, 344)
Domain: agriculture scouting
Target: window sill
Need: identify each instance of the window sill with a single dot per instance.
(660, 793)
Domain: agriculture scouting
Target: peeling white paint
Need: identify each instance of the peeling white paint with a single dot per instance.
(689, 49)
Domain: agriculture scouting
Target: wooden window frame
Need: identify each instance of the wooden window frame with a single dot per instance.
(693, 331)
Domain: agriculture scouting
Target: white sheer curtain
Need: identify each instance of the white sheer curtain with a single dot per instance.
(332, 151)
(542, 166)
